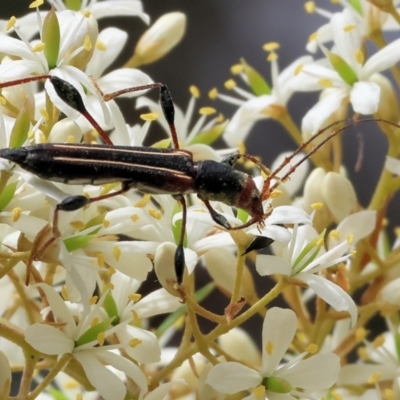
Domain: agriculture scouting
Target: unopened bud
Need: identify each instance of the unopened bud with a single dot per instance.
(159, 39)
(388, 107)
(339, 195)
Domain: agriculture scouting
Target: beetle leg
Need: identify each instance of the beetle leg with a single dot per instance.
(217, 217)
(179, 253)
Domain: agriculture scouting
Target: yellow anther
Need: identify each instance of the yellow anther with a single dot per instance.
(3, 101)
(359, 56)
(79, 225)
(361, 334)
(275, 193)
(86, 13)
(95, 321)
(317, 206)
(230, 84)
(106, 223)
(143, 202)
(87, 43)
(269, 347)
(319, 242)
(101, 46)
(259, 392)
(350, 238)
(362, 353)
(335, 1)
(157, 214)
(149, 116)
(385, 222)
(16, 214)
(135, 297)
(79, 396)
(109, 286)
(349, 28)
(313, 36)
(70, 139)
(220, 118)
(71, 384)
(101, 337)
(298, 69)
(378, 341)
(325, 83)
(117, 252)
(31, 134)
(64, 293)
(271, 46)
(213, 93)
(134, 217)
(38, 47)
(11, 22)
(374, 378)
(334, 234)
(207, 111)
(353, 252)
(36, 3)
(194, 91)
(111, 271)
(312, 348)
(397, 231)
(93, 300)
(134, 342)
(237, 69)
(272, 57)
(309, 6)
(100, 259)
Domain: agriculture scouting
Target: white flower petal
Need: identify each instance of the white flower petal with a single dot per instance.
(105, 382)
(117, 8)
(269, 265)
(383, 59)
(114, 40)
(279, 328)
(128, 367)
(316, 117)
(232, 377)
(364, 97)
(331, 293)
(48, 339)
(156, 303)
(318, 372)
(358, 374)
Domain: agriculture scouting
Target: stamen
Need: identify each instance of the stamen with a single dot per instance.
(213, 93)
(359, 56)
(349, 28)
(325, 83)
(16, 214)
(101, 46)
(236, 69)
(38, 48)
(312, 348)
(313, 36)
(134, 342)
(207, 111)
(117, 253)
(194, 91)
(271, 46)
(269, 347)
(101, 337)
(149, 116)
(309, 6)
(36, 3)
(317, 206)
(135, 297)
(11, 23)
(230, 84)
(87, 43)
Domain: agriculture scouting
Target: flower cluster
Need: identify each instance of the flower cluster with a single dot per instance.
(76, 319)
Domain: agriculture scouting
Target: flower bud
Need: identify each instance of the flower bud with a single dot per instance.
(65, 131)
(239, 345)
(339, 195)
(312, 195)
(159, 39)
(388, 107)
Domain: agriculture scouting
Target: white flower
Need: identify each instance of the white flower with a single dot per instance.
(305, 257)
(189, 133)
(81, 341)
(346, 74)
(277, 380)
(271, 104)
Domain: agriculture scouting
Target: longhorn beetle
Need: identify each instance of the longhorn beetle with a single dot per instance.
(153, 170)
